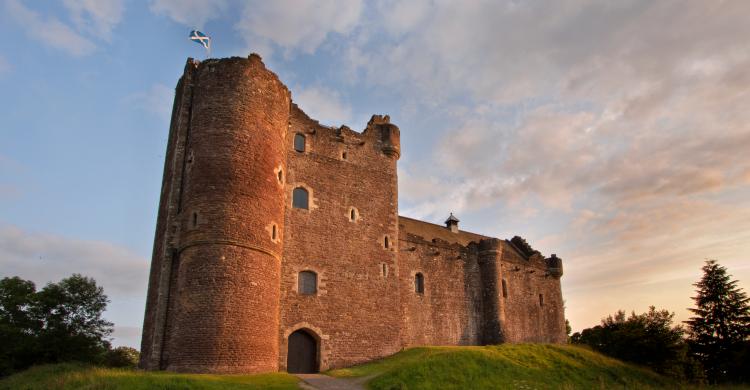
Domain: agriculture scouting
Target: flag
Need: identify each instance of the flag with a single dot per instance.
(201, 38)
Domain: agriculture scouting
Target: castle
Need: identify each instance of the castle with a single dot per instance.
(279, 245)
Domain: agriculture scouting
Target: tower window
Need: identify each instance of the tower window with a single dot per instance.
(195, 219)
(307, 283)
(541, 300)
(280, 176)
(299, 142)
(353, 214)
(384, 267)
(300, 198)
(274, 232)
(343, 155)
(386, 242)
(419, 283)
(505, 289)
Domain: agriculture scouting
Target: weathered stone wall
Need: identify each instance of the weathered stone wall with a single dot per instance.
(448, 312)
(355, 314)
(526, 319)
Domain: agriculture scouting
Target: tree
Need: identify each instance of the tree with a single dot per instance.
(648, 339)
(17, 327)
(122, 357)
(62, 322)
(72, 323)
(721, 325)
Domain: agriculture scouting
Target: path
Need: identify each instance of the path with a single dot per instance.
(325, 382)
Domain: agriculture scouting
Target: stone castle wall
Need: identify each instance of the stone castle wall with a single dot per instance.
(229, 247)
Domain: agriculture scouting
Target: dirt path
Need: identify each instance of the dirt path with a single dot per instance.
(325, 382)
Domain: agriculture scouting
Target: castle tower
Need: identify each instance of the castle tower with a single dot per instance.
(213, 300)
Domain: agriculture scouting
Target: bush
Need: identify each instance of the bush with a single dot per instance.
(122, 357)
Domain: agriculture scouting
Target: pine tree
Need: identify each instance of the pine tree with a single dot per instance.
(721, 324)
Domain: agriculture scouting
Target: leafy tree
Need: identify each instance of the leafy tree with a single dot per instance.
(17, 328)
(721, 326)
(122, 357)
(62, 322)
(648, 339)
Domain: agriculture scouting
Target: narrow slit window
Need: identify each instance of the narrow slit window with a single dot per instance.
(386, 242)
(300, 198)
(343, 155)
(273, 232)
(419, 283)
(299, 142)
(505, 289)
(280, 176)
(195, 219)
(385, 270)
(541, 300)
(308, 283)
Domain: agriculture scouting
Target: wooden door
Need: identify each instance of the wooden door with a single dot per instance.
(303, 353)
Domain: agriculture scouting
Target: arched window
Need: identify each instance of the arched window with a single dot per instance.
(307, 283)
(300, 198)
(419, 283)
(299, 142)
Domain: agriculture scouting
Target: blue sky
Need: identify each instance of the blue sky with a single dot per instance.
(613, 134)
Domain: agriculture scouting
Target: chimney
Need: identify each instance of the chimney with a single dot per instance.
(452, 223)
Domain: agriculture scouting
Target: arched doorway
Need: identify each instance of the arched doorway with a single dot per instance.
(303, 353)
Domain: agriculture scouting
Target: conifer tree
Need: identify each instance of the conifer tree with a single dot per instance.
(721, 324)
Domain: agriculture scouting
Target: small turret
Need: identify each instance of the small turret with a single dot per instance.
(554, 266)
(390, 135)
(452, 223)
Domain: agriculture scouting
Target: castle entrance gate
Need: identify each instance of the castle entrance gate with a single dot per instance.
(303, 353)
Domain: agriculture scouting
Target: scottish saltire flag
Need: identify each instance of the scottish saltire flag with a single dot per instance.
(200, 38)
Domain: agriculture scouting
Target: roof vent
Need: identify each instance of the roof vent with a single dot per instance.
(452, 223)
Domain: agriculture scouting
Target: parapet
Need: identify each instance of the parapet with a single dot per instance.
(554, 266)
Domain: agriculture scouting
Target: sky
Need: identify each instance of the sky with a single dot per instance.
(614, 134)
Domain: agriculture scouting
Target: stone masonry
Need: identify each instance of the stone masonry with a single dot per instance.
(232, 246)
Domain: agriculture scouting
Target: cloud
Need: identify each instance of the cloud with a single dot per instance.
(44, 257)
(50, 31)
(98, 18)
(297, 25)
(323, 104)
(193, 13)
(157, 101)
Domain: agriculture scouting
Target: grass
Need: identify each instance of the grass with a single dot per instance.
(524, 366)
(79, 376)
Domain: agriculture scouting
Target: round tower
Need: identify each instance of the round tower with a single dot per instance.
(223, 314)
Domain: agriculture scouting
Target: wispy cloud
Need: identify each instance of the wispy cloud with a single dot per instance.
(97, 18)
(193, 13)
(323, 104)
(157, 100)
(50, 30)
(297, 25)
(44, 257)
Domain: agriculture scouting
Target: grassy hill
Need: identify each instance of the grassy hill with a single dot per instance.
(78, 376)
(524, 366)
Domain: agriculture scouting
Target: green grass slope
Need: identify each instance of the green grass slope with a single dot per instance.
(519, 366)
(78, 376)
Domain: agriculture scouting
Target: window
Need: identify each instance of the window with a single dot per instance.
(195, 219)
(299, 142)
(384, 269)
(343, 155)
(541, 300)
(353, 214)
(273, 232)
(308, 283)
(386, 242)
(505, 289)
(419, 283)
(300, 198)
(280, 176)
